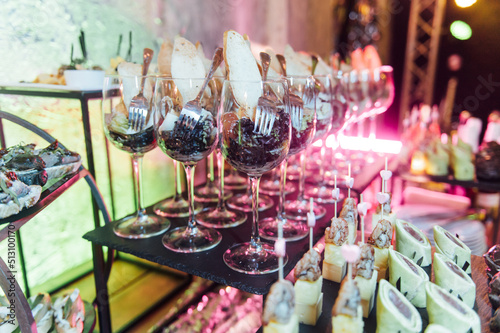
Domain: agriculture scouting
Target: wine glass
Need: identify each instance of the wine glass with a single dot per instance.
(381, 94)
(252, 148)
(176, 206)
(187, 145)
(339, 120)
(357, 87)
(118, 91)
(220, 216)
(326, 108)
(302, 137)
(303, 91)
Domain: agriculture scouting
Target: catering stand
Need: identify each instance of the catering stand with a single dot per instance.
(13, 223)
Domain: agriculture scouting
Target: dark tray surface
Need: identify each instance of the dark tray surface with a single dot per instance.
(209, 264)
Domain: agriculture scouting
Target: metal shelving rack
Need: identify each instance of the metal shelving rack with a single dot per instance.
(13, 223)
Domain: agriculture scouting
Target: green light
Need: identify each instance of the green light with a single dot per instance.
(460, 30)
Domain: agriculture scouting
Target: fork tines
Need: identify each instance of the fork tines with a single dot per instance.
(264, 120)
(297, 113)
(137, 118)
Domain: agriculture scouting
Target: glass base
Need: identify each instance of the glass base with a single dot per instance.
(293, 171)
(272, 188)
(245, 258)
(175, 207)
(220, 218)
(201, 239)
(209, 193)
(243, 202)
(292, 230)
(144, 227)
(297, 210)
(322, 194)
(235, 182)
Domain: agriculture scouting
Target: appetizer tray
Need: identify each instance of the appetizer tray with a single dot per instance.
(330, 292)
(49, 194)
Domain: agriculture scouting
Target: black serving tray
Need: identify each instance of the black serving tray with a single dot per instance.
(209, 264)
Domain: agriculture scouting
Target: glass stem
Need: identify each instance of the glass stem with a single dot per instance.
(322, 154)
(191, 228)
(255, 238)
(211, 175)
(137, 165)
(302, 176)
(220, 167)
(281, 203)
(179, 183)
(249, 187)
(176, 181)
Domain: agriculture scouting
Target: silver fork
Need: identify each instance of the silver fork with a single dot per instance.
(191, 112)
(313, 86)
(296, 103)
(264, 114)
(139, 105)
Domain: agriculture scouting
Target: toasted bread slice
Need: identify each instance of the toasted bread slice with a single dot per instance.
(208, 62)
(186, 64)
(275, 65)
(165, 57)
(294, 64)
(241, 65)
(322, 68)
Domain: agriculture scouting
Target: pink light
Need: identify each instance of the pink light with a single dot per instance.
(387, 146)
(366, 144)
(318, 143)
(331, 142)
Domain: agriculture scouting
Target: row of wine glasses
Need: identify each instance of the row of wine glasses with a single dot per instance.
(231, 129)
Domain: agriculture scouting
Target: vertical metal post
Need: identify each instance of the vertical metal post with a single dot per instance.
(422, 47)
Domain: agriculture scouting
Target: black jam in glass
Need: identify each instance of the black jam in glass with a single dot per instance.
(193, 149)
(301, 139)
(254, 153)
(140, 142)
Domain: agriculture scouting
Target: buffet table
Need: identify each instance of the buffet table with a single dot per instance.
(209, 264)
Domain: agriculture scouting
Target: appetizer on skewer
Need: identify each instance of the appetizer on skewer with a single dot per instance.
(279, 311)
(366, 277)
(308, 295)
(349, 213)
(347, 312)
(334, 265)
(381, 239)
